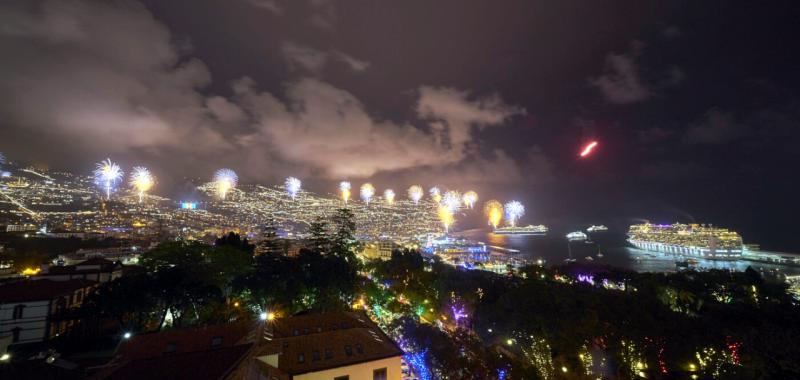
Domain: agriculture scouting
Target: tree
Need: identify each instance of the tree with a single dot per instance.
(319, 240)
(344, 242)
(269, 244)
(233, 239)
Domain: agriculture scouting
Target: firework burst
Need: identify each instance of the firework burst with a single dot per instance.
(436, 194)
(514, 211)
(141, 181)
(367, 191)
(388, 195)
(225, 180)
(446, 217)
(470, 197)
(415, 193)
(344, 188)
(494, 212)
(452, 200)
(107, 174)
(293, 186)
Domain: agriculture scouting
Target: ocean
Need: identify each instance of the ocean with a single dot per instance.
(604, 248)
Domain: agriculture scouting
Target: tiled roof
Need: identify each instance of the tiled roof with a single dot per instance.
(319, 322)
(198, 365)
(331, 349)
(315, 342)
(39, 290)
(184, 340)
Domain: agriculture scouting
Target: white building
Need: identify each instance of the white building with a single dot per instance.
(31, 311)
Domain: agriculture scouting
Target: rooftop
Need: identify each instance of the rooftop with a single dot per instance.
(39, 290)
(315, 342)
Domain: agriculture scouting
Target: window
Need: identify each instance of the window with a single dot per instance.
(296, 332)
(315, 356)
(301, 358)
(359, 348)
(18, 310)
(216, 341)
(345, 377)
(171, 348)
(328, 353)
(379, 374)
(15, 333)
(348, 350)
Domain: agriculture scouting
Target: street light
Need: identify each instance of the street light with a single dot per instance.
(127, 335)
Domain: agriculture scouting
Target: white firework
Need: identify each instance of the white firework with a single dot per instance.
(470, 197)
(514, 211)
(415, 193)
(388, 195)
(452, 200)
(225, 180)
(107, 174)
(367, 192)
(292, 185)
(344, 188)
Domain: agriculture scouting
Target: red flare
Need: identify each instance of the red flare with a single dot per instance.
(587, 150)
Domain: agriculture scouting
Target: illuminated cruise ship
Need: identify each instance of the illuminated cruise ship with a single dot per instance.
(529, 230)
(695, 240)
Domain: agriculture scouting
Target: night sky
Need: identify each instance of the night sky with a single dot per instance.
(695, 104)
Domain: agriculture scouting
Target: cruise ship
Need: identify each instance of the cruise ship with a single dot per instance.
(693, 240)
(597, 228)
(529, 230)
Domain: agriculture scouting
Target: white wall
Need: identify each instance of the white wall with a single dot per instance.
(361, 371)
(33, 323)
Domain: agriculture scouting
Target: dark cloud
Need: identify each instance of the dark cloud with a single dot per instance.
(312, 60)
(273, 6)
(716, 126)
(621, 82)
(147, 97)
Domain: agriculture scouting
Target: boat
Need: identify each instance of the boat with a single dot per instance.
(589, 258)
(598, 228)
(528, 230)
(576, 236)
(687, 240)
